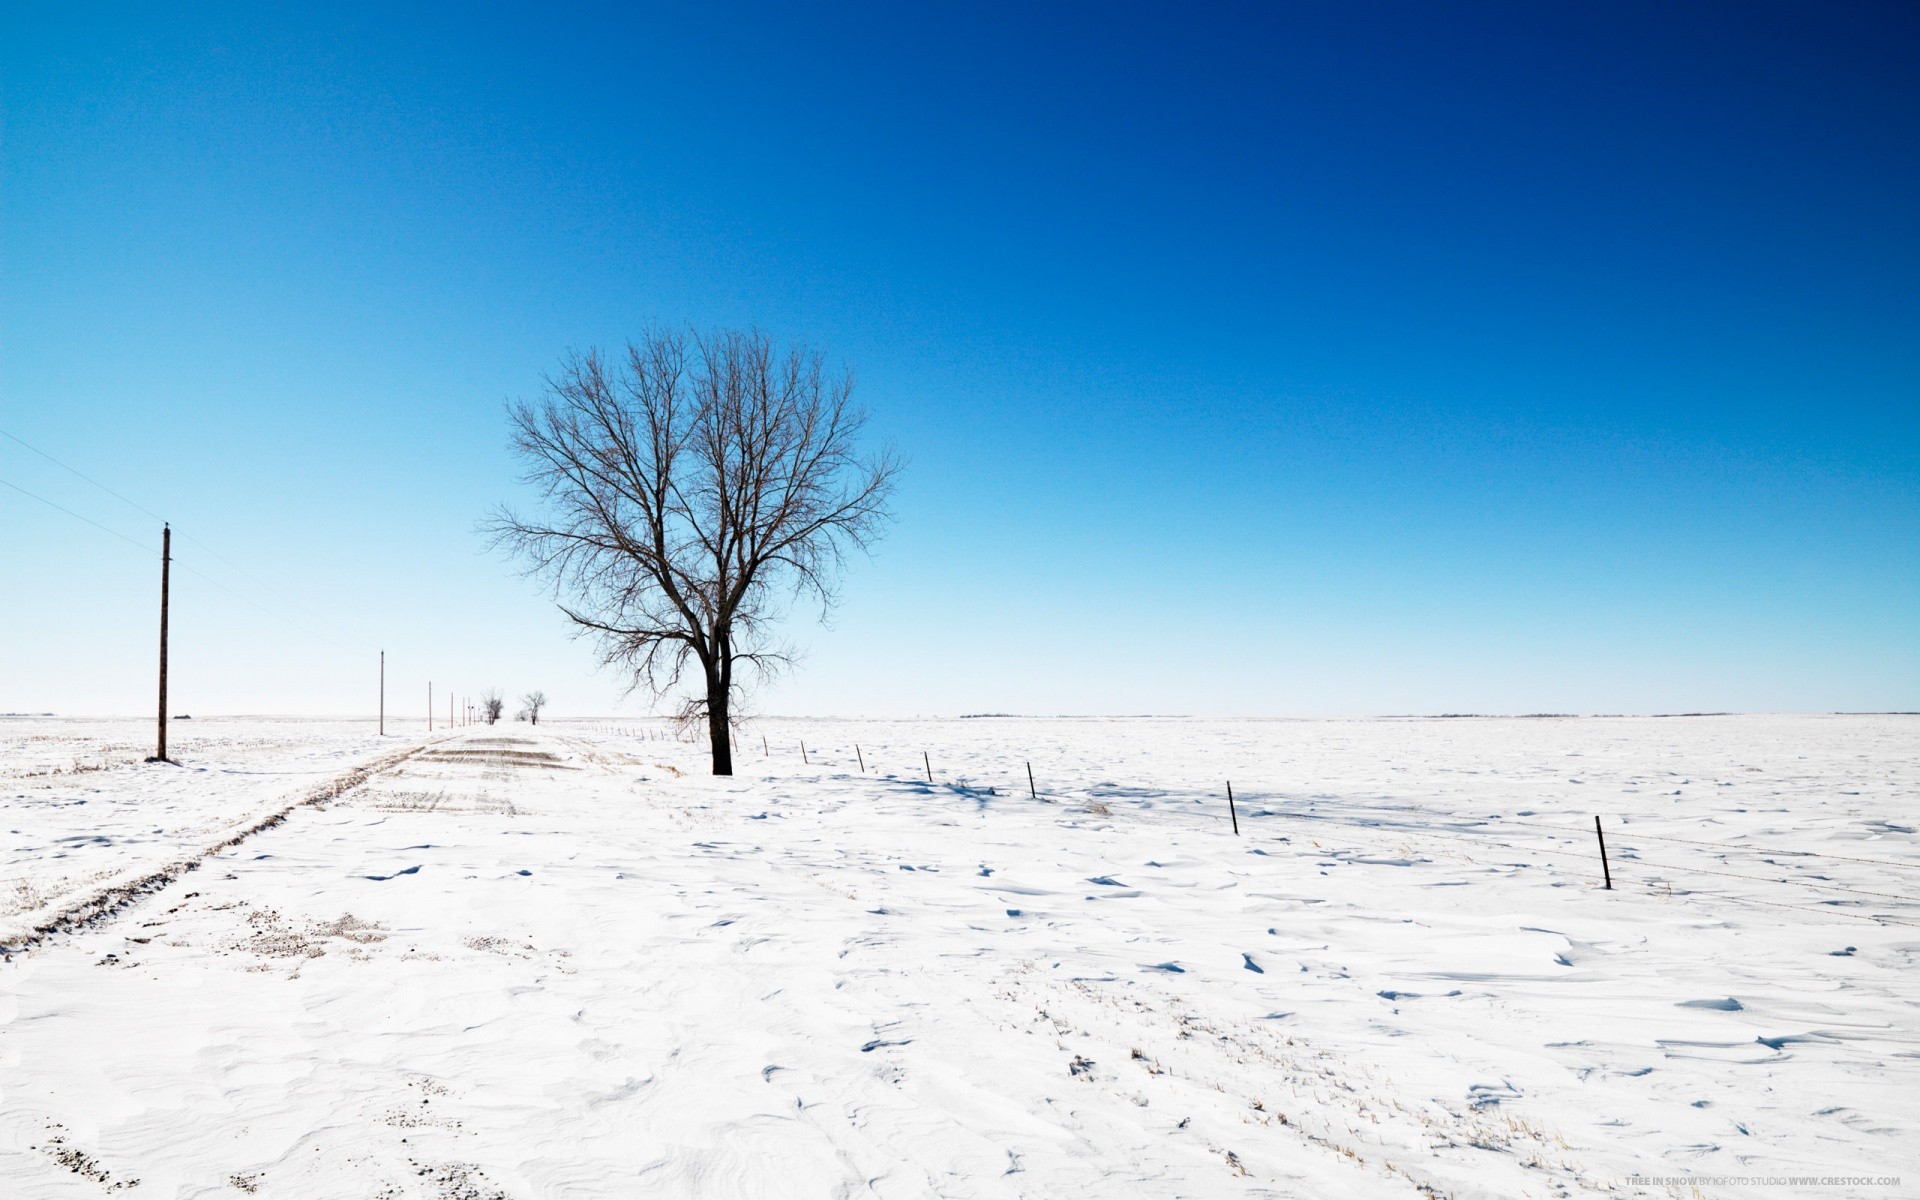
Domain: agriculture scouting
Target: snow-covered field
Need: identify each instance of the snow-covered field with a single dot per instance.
(82, 814)
(563, 962)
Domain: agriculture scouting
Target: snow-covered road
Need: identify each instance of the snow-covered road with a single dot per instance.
(562, 962)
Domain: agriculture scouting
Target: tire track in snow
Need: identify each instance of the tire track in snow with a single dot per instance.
(102, 906)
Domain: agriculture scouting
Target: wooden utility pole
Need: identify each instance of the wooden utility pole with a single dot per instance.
(166, 563)
(383, 693)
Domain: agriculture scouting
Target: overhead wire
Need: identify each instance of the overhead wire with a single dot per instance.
(187, 537)
(76, 516)
(76, 471)
(308, 630)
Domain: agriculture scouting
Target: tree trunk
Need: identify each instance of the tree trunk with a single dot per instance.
(718, 730)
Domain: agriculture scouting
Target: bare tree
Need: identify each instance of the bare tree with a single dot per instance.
(491, 705)
(688, 490)
(532, 703)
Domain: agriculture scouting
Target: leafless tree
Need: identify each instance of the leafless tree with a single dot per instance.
(688, 490)
(532, 703)
(491, 705)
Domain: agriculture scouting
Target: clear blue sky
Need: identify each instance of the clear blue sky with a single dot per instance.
(1272, 360)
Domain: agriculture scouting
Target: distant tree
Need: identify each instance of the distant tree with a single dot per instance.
(532, 703)
(491, 705)
(686, 490)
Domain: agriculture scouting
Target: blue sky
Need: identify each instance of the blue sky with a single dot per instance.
(1266, 360)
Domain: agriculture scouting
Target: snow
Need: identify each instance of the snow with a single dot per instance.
(81, 814)
(562, 961)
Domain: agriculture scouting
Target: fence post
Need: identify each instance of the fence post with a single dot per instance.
(929, 762)
(1031, 790)
(1231, 811)
(1603, 851)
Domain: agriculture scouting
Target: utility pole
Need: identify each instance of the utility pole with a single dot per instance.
(383, 693)
(166, 562)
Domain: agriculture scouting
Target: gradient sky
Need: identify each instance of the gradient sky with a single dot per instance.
(1267, 360)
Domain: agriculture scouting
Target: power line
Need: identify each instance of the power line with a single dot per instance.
(184, 567)
(231, 565)
(75, 471)
(76, 516)
(309, 631)
(265, 587)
